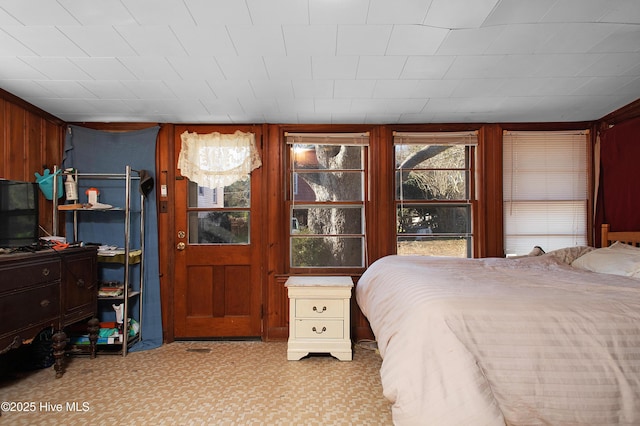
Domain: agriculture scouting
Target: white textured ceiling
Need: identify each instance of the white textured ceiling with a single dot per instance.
(322, 61)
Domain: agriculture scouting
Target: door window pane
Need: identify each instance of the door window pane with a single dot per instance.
(219, 215)
(238, 194)
(224, 227)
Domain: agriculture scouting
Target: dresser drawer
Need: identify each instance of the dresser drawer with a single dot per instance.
(21, 275)
(26, 308)
(319, 308)
(319, 329)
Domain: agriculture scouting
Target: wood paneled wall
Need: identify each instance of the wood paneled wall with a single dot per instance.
(32, 140)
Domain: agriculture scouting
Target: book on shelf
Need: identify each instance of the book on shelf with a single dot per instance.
(110, 291)
(116, 255)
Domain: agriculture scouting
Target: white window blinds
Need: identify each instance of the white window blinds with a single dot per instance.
(544, 190)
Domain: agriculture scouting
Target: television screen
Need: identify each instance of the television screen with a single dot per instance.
(18, 214)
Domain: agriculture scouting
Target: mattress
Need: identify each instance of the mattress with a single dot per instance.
(530, 341)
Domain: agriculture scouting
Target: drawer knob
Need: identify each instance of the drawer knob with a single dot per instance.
(315, 309)
(315, 330)
(45, 272)
(44, 303)
(80, 282)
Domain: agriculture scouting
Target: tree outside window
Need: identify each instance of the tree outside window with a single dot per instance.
(327, 187)
(434, 191)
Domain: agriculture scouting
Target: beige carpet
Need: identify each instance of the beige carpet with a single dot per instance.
(197, 383)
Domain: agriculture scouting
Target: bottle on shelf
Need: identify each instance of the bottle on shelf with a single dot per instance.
(70, 186)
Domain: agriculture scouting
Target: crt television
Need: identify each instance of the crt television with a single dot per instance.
(18, 214)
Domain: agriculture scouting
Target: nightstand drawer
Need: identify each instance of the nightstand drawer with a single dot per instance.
(328, 329)
(321, 308)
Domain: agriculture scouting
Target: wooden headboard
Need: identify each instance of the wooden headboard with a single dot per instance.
(627, 237)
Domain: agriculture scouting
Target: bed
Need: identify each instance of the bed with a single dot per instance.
(538, 340)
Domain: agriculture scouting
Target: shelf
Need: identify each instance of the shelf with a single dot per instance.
(117, 256)
(84, 340)
(121, 297)
(87, 208)
(113, 259)
(107, 345)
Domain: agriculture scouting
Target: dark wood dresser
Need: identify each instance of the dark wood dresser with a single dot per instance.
(44, 289)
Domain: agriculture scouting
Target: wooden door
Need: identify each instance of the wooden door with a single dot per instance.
(218, 260)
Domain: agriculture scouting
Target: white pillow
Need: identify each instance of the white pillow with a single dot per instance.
(618, 259)
(622, 246)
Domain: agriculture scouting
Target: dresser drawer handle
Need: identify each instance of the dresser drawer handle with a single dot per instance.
(319, 332)
(44, 303)
(324, 308)
(45, 272)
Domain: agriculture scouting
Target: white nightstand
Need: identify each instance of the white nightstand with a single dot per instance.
(319, 318)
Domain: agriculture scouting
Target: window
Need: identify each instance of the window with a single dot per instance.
(218, 167)
(327, 183)
(434, 181)
(220, 215)
(545, 190)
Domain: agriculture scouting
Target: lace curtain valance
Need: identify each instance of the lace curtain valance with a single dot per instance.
(213, 160)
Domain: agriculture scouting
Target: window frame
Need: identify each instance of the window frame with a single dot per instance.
(509, 200)
(469, 139)
(292, 176)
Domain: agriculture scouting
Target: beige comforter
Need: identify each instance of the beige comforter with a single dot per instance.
(530, 341)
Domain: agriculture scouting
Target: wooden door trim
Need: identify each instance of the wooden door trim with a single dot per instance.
(253, 252)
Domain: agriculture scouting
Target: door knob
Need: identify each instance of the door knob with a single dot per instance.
(181, 246)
